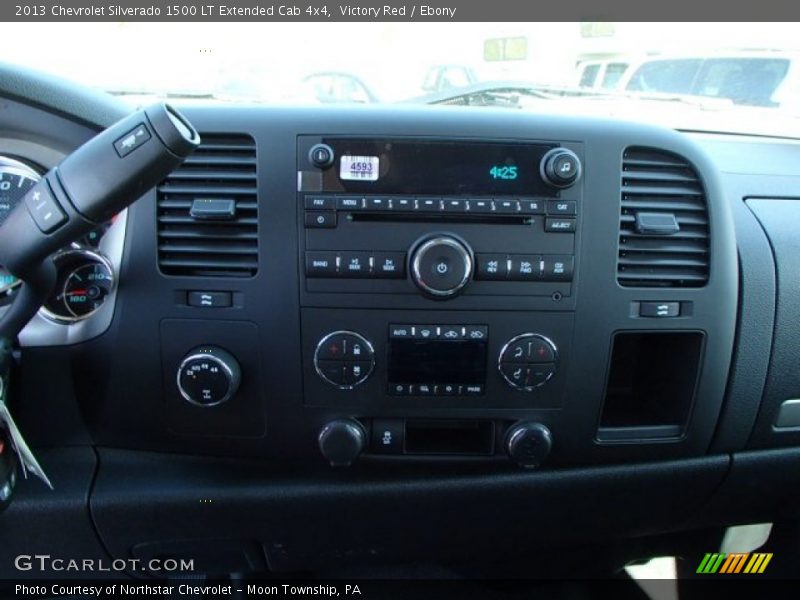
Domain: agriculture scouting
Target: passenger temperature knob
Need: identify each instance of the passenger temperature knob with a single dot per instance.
(209, 376)
(529, 444)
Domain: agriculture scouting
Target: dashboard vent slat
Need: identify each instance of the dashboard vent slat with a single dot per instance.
(655, 181)
(223, 167)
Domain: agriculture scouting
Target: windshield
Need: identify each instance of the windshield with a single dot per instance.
(726, 77)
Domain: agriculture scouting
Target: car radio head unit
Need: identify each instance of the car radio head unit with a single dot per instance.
(436, 167)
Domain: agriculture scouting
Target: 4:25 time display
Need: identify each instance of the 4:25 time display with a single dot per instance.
(503, 172)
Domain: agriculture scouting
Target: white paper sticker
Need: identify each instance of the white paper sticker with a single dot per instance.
(359, 168)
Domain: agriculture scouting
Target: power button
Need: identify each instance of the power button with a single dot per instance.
(321, 156)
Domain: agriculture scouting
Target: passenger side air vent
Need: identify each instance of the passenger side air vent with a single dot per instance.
(208, 211)
(664, 235)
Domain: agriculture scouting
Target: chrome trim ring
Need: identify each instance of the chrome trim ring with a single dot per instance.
(93, 256)
(425, 247)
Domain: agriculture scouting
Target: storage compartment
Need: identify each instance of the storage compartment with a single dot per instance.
(449, 437)
(651, 385)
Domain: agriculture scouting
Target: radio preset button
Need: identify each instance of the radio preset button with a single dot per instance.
(429, 204)
(506, 206)
(404, 204)
(454, 205)
(491, 266)
(379, 204)
(481, 205)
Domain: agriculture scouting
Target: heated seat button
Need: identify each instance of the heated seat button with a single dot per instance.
(357, 371)
(387, 436)
(515, 373)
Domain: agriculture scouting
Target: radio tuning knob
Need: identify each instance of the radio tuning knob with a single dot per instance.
(342, 441)
(441, 265)
(529, 444)
(560, 167)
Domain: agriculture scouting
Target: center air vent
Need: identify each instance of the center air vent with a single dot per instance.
(208, 211)
(664, 235)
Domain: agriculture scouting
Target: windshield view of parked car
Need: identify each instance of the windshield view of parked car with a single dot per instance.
(345, 304)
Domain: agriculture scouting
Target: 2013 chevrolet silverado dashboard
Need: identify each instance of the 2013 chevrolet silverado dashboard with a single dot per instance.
(492, 323)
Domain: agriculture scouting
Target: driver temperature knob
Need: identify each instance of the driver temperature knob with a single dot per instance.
(441, 266)
(342, 441)
(209, 376)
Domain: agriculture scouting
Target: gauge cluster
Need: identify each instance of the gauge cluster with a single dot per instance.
(86, 269)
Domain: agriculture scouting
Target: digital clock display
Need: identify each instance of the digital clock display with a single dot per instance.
(453, 167)
(504, 172)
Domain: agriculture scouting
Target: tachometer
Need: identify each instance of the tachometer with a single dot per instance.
(16, 178)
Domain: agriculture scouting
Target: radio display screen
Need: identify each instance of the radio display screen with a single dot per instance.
(437, 361)
(427, 167)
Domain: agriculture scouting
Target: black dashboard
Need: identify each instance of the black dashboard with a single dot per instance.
(549, 315)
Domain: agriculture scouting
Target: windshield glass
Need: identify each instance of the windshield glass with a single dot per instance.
(722, 77)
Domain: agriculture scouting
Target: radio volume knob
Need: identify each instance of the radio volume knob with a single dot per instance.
(560, 167)
(441, 266)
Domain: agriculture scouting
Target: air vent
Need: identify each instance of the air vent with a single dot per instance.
(663, 239)
(208, 211)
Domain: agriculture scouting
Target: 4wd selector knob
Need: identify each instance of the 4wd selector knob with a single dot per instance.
(441, 265)
(209, 376)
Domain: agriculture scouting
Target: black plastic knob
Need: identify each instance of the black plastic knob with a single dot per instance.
(529, 444)
(441, 266)
(209, 376)
(321, 156)
(560, 167)
(342, 441)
